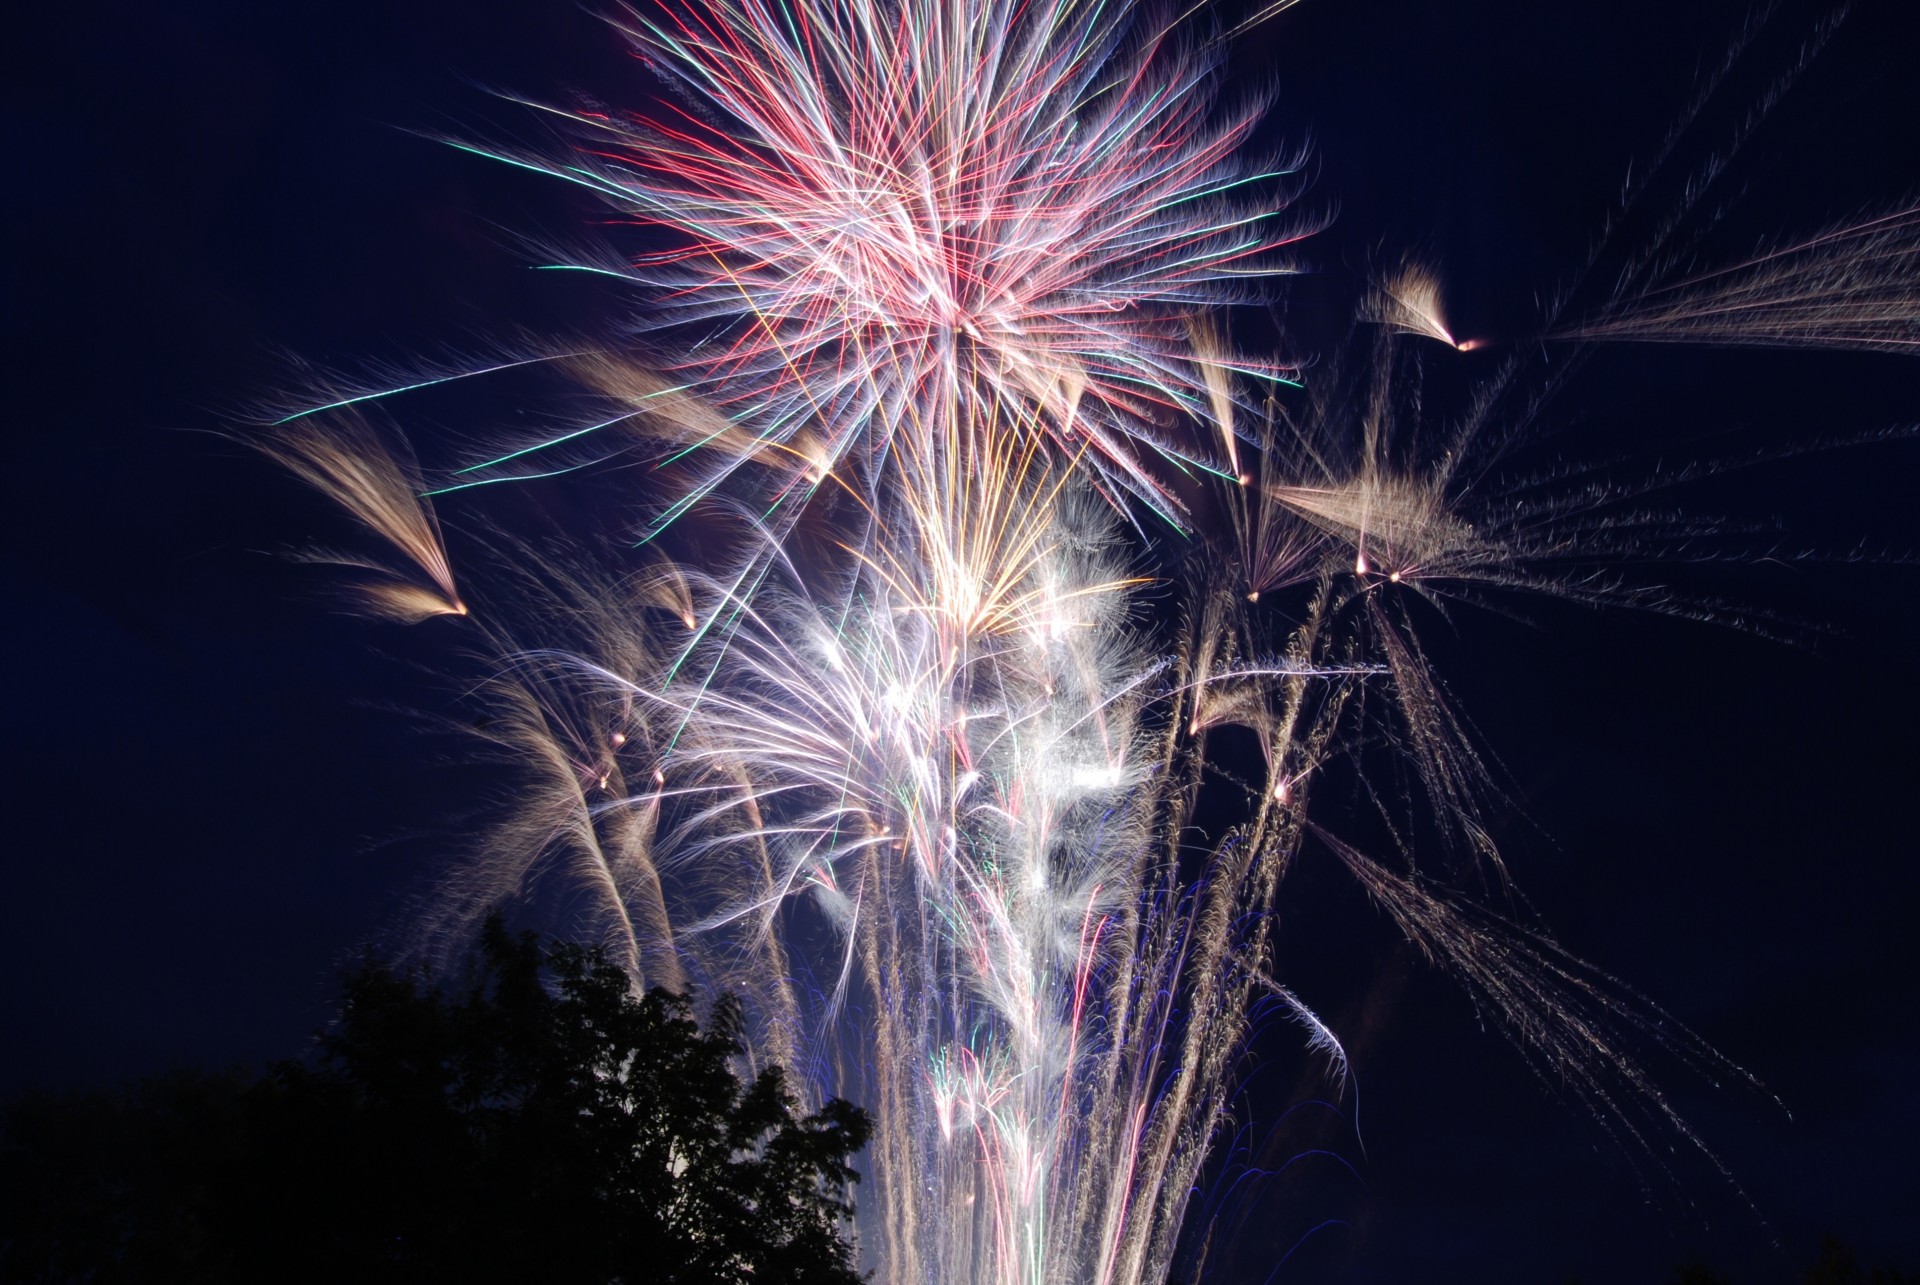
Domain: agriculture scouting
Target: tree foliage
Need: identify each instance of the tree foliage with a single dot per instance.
(542, 1124)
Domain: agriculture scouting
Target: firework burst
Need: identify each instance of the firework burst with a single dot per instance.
(888, 216)
(896, 727)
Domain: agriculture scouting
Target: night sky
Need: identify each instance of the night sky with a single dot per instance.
(214, 801)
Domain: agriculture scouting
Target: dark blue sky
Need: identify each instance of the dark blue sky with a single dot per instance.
(212, 807)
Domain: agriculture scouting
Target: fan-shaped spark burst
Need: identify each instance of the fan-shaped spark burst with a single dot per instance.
(344, 459)
(1409, 301)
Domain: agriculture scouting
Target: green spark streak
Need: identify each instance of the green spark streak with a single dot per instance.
(568, 173)
(587, 267)
(568, 437)
(424, 383)
(1227, 187)
(517, 477)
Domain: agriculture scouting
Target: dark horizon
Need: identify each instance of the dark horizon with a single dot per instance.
(226, 800)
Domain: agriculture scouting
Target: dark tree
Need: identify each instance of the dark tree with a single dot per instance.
(541, 1124)
(1837, 1266)
(120, 1186)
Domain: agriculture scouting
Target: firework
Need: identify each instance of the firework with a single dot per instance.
(890, 728)
(885, 210)
(921, 799)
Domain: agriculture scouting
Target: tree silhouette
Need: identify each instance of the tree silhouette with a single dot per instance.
(541, 1124)
(1837, 1266)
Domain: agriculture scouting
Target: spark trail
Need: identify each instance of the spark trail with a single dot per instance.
(1853, 286)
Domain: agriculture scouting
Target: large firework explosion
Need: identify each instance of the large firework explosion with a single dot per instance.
(982, 577)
